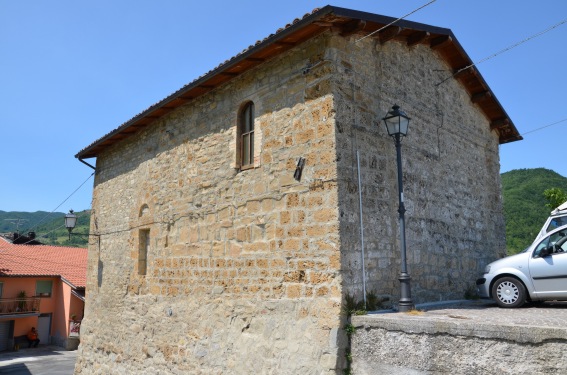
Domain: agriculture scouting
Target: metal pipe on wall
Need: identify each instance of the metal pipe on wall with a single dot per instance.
(361, 227)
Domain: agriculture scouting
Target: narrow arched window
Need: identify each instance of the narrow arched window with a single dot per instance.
(143, 249)
(246, 136)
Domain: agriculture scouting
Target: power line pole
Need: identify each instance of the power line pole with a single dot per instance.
(17, 223)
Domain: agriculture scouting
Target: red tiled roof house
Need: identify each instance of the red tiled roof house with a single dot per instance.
(44, 287)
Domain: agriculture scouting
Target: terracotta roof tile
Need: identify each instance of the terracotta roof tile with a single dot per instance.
(69, 263)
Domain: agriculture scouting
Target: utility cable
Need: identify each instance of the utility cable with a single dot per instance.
(84, 213)
(546, 126)
(66, 199)
(51, 231)
(393, 22)
(505, 50)
(45, 234)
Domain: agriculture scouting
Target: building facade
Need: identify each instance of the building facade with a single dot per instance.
(227, 217)
(41, 286)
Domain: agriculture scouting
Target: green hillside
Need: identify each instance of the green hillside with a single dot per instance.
(524, 204)
(48, 227)
(14, 221)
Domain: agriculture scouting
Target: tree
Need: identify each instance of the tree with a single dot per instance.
(555, 197)
(525, 204)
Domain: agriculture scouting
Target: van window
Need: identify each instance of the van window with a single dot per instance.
(556, 222)
(557, 240)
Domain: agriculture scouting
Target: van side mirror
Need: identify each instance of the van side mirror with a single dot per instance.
(546, 251)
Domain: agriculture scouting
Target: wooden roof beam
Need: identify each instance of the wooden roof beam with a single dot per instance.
(323, 24)
(500, 123)
(481, 96)
(464, 71)
(441, 42)
(151, 117)
(418, 37)
(353, 27)
(183, 99)
(389, 33)
(509, 134)
(281, 44)
(286, 44)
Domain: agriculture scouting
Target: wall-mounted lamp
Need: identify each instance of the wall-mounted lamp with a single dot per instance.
(70, 222)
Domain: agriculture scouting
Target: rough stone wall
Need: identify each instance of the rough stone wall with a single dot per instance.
(247, 271)
(387, 352)
(242, 267)
(437, 347)
(454, 218)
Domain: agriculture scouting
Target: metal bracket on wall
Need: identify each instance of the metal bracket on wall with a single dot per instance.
(299, 169)
(87, 164)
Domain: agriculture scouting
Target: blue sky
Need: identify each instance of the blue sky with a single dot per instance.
(71, 71)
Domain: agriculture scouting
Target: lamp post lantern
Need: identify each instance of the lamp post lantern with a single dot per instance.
(70, 222)
(397, 123)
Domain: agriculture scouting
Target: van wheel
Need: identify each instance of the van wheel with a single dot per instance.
(509, 292)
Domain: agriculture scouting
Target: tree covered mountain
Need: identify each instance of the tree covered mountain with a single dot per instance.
(49, 228)
(14, 221)
(524, 204)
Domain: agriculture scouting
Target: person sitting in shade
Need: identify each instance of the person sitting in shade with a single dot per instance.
(32, 338)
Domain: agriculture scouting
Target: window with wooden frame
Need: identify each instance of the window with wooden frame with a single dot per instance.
(246, 136)
(143, 251)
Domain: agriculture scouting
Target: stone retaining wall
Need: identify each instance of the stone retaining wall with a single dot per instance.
(384, 345)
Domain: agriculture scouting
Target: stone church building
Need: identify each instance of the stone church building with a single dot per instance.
(226, 219)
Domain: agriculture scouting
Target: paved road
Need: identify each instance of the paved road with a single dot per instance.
(45, 360)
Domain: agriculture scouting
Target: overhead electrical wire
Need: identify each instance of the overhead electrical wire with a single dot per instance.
(84, 213)
(51, 231)
(484, 59)
(364, 37)
(505, 50)
(393, 22)
(546, 126)
(60, 204)
(49, 214)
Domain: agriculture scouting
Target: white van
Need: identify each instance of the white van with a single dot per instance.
(535, 274)
(556, 219)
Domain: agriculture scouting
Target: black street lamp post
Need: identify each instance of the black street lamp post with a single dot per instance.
(397, 123)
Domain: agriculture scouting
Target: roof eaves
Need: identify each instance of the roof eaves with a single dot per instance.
(21, 275)
(248, 52)
(92, 150)
(66, 281)
(76, 293)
